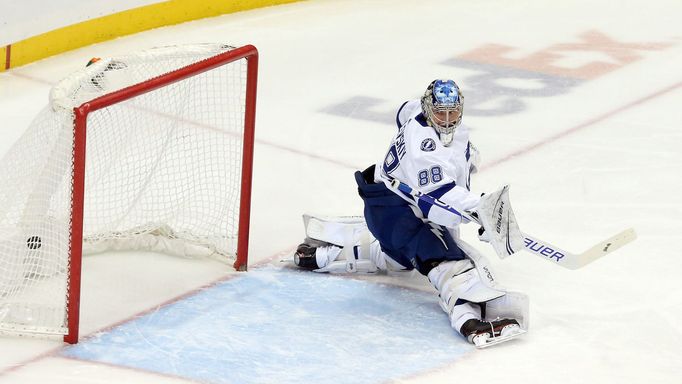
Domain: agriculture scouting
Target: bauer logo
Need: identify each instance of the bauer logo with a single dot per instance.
(428, 145)
(489, 274)
(500, 213)
(544, 250)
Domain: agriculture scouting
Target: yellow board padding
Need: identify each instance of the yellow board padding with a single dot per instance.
(3, 55)
(121, 24)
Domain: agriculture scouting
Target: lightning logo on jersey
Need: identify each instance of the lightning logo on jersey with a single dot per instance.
(428, 145)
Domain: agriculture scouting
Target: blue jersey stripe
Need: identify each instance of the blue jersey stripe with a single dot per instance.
(421, 119)
(436, 194)
(397, 115)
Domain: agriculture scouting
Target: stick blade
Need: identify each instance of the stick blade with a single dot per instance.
(607, 246)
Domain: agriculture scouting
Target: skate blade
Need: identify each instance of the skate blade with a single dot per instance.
(500, 339)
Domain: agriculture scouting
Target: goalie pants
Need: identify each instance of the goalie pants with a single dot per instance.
(404, 237)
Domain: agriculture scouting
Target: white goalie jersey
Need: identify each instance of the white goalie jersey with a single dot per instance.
(417, 157)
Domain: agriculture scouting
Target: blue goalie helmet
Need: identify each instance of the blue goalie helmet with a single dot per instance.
(442, 105)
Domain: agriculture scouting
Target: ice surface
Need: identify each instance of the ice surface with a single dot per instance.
(285, 326)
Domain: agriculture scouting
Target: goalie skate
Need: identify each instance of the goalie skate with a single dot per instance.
(484, 334)
(490, 341)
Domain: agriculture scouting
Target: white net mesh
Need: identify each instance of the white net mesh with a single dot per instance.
(163, 173)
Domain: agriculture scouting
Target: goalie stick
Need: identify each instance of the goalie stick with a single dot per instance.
(570, 260)
(533, 244)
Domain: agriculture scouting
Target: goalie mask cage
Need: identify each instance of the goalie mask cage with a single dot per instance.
(166, 167)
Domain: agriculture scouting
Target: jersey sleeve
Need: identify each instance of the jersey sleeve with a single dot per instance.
(457, 197)
(406, 110)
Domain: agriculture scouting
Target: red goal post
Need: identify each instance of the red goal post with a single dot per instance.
(195, 119)
(248, 52)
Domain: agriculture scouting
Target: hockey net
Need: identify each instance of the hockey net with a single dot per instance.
(149, 151)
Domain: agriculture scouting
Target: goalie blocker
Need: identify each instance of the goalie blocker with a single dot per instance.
(497, 218)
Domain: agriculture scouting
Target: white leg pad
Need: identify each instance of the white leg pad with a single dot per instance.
(485, 270)
(336, 261)
(335, 229)
(348, 236)
(456, 280)
(513, 305)
(463, 312)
